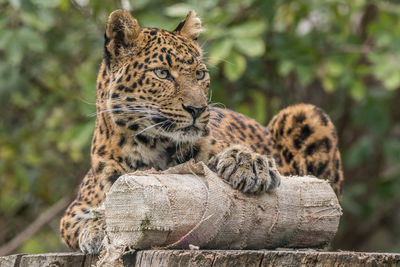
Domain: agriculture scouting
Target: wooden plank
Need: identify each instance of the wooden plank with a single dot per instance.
(237, 258)
(213, 258)
(318, 258)
(148, 258)
(53, 260)
(10, 261)
(90, 260)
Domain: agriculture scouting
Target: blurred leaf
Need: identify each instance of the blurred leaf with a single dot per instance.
(5, 38)
(373, 114)
(41, 21)
(387, 68)
(31, 39)
(334, 69)
(359, 152)
(285, 67)
(305, 76)
(392, 148)
(349, 202)
(357, 90)
(328, 84)
(260, 102)
(15, 53)
(136, 4)
(234, 66)
(220, 51)
(15, 3)
(248, 29)
(250, 47)
(83, 135)
(178, 10)
(9, 202)
(47, 3)
(392, 81)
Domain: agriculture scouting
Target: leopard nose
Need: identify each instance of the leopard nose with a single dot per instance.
(194, 110)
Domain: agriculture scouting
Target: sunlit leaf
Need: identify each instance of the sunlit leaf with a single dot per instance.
(259, 109)
(285, 67)
(178, 10)
(392, 80)
(357, 90)
(234, 66)
(387, 68)
(47, 3)
(253, 47)
(15, 3)
(334, 68)
(248, 29)
(219, 51)
(136, 4)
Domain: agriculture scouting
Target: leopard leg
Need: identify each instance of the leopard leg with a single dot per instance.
(238, 154)
(81, 227)
(246, 170)
(304, 142)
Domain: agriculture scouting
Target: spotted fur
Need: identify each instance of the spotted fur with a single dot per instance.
(152, 112)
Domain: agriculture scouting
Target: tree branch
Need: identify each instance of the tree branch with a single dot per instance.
(40, 221)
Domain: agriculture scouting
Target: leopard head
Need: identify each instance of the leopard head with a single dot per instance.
(158, 82)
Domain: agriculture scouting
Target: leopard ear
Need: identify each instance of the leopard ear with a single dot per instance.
(190, 27)
(121, 35)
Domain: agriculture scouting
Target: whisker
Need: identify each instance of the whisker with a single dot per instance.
(221, 105)
(210, 96)
(151, 126)
(146, 117)
(220, 59)
(205, 42)
(109, 110)
(150, 105)
(145, 111)
(169, 127)
(149, 111)
(87, 102)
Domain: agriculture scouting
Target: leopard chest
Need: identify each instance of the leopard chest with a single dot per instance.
(143, 152)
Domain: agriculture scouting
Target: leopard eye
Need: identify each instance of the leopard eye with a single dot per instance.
(162, 73)
(200, 74)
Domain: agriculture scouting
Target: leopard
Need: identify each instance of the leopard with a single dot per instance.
(153, 112)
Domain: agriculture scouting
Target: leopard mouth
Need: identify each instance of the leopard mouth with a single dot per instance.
(165, 123)
(190, 129)
(169, 128)
(169, 125)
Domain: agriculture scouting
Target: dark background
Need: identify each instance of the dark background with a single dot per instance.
(343, 56)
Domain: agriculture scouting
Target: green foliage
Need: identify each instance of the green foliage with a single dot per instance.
(263, 55)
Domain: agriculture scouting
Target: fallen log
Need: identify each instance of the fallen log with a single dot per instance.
(189, 206)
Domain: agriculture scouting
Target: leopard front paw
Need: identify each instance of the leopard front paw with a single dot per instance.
(246, 170)
(91, 239)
